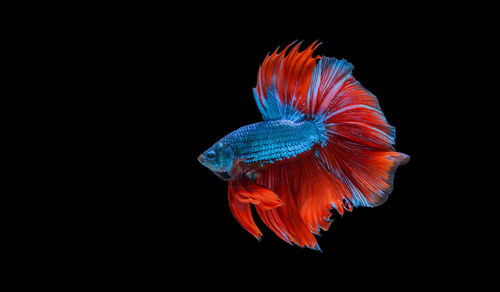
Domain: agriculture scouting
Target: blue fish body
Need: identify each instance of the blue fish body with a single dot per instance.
(260, 144)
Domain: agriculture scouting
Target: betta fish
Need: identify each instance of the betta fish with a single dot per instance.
(323, 144)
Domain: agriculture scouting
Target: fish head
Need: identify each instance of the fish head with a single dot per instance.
(219, 159)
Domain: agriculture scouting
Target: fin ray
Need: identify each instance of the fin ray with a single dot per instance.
(283, 82)
(242, 192)
(243, 214)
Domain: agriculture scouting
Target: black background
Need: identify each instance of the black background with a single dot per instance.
(169, 91)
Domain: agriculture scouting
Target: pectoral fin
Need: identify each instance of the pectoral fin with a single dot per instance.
(242, 192)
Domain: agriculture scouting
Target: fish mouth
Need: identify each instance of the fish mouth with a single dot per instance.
(200, 159)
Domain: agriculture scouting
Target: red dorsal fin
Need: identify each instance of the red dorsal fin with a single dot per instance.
(285, 77)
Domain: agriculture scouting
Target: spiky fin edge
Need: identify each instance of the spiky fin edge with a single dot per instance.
(283, 82)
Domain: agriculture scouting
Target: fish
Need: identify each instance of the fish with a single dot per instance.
(324, 144)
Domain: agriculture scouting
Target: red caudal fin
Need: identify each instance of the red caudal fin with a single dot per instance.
(359, 149)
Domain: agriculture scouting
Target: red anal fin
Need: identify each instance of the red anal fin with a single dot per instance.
(286, 221)
(272, 219)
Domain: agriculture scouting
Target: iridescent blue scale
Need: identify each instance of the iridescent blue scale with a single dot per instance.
(271, 141)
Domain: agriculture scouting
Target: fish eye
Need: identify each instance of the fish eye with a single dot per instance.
(210, 155)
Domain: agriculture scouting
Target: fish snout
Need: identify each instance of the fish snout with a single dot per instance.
(200, 159)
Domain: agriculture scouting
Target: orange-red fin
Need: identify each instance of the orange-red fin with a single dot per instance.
(283, 81)
(247, 191)
(242, 192)
(242, 212)
(273, 221)
(358, 150)
(308, 193)
(367, 173)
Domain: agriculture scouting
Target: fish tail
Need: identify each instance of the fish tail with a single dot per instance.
(359, 141)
